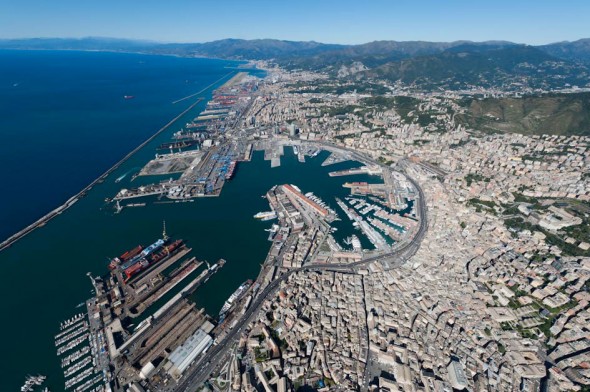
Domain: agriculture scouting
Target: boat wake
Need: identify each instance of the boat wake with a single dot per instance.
(122, 177)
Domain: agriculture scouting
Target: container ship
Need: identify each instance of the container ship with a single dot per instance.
(234, 297)
(230, 170)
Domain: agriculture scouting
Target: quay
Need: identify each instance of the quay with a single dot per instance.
(160, 333)
(375, 170)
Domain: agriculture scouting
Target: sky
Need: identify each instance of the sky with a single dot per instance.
(345, 22)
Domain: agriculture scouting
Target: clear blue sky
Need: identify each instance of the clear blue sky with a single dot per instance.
(344, 21)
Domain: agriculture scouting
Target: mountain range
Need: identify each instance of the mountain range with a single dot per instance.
(427, 65)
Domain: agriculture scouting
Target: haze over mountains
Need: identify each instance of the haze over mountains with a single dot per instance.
(428, 65)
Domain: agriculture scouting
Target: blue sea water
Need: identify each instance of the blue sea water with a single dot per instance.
(64, 119)
(63, 122)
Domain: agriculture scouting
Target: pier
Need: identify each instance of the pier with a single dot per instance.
(376, 170)
(73, 357)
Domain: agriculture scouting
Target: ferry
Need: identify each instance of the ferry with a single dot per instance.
(146, 252)
(266, 215)
(272, 232)
(234, 297)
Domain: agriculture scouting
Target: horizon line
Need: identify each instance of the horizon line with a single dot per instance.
(151, 41)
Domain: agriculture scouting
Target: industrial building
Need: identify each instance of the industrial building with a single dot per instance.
(185, 354)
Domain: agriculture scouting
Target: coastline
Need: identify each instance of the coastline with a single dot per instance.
(72, 200)
(143, 53)
(204, 89)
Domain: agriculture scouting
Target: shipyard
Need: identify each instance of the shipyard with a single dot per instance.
(141, 323)
(163, 346)
(212, 208)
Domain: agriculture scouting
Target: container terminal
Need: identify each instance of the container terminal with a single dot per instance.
(143, 330)
(202, 151)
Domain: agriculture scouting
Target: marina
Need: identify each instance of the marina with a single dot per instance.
(80, 364)
(31, 382)
(243, 186)
(73, 357)
(71, 335)
(33, 350)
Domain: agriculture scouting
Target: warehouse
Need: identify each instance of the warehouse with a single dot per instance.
(185, 354)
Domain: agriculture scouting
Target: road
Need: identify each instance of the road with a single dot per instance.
(199, 374)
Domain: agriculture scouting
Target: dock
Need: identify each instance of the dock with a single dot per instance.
(373, 170)
(334, 158)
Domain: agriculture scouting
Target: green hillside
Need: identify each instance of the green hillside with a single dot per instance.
(561, 114)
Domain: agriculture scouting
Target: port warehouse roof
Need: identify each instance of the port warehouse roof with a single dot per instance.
(297, 194)
(184, 354)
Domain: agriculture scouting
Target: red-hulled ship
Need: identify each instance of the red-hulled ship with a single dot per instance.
(165, 252)
(125, 256)
(230, 170)
(152, 259)
(131, 253)
(134, 269)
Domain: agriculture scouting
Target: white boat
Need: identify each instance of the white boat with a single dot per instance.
(232, 298)
(356, 243)
(266, 215)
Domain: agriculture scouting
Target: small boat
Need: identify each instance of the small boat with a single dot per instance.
(128, 96)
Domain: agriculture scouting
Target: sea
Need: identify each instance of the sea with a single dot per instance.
(63, 122)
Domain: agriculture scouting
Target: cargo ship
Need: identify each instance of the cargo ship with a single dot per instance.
(125, 256)
(151, 258)
(234, 297)
(180, 144)
(230, 170)
(146, 252)
(192, 125)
